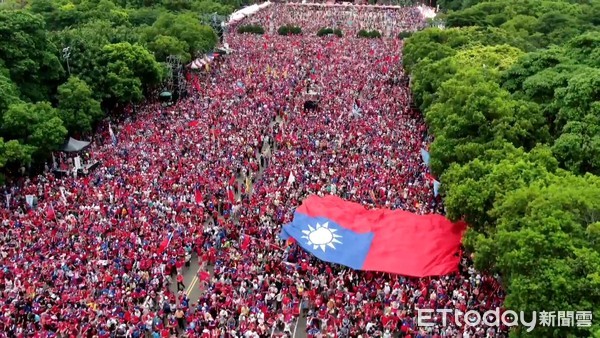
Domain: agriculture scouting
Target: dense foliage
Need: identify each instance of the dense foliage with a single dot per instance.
(289, 30)
(330, 31)
(511, 92)
(369, 34)
(62, 64)
(252, 29)
(404, 35)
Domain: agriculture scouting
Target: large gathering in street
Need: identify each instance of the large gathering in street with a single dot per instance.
(286, 192)
(88, 261)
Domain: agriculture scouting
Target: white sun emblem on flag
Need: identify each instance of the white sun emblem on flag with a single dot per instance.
(321, 236)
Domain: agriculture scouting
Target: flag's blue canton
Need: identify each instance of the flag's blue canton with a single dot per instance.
(328, 240)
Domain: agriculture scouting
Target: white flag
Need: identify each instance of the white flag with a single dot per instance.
(29, 200)
(291, 179)
(62, 195)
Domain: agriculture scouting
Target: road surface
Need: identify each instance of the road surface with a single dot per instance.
(190, 274)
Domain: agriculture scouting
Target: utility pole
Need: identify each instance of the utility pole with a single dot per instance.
(66, 55)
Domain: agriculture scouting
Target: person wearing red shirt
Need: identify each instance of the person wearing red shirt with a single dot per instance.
(180, 285)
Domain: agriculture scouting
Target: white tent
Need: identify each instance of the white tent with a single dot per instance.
(246, 12)
(199, 63)
(427, 12)
(74, 145)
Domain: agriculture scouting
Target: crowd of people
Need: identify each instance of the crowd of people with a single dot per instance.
(216, 176)
(389, 21)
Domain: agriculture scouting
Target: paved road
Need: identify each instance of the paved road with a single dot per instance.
(190, 274)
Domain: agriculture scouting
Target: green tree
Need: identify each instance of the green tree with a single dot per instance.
(13, 153)
(541, 22)
(48, 136)
(76, 106)
(504, 122)
(126, 72)
(529, 65)
(578, 146)
(28, 54)
(120, 85)
(469, 109)
(521, 25)
(473, 189)
(557, 27)
(103, 10)
(209, 7)
(56, 14)
(585, 48)
(546, 247)
(580, 97)
(488, 61)
(86, 45)
(144, 16)
(9, 93)
(37, 125)
(186, 28)
(163, 46)
(424, 42)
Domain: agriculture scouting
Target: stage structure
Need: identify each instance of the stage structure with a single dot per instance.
(217, 22)
(176, 83)
(73, 159)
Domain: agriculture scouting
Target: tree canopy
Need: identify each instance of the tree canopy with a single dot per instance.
(511, 94)
(63, 64)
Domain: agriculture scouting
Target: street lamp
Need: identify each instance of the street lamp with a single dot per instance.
(66, 55)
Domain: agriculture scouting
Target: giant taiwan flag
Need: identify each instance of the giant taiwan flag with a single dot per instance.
(393, 241)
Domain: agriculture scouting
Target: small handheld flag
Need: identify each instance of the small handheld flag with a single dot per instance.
(436, 188)
(112, 135)
(165, 244)
(425, 156)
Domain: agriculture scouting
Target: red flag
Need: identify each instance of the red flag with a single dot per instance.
(193, 124)
(50, 214)
(232, 180)
(198, 196)
(164, 244)
(429, 177)
(245, 243)
(393, 241)
(230, 195)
